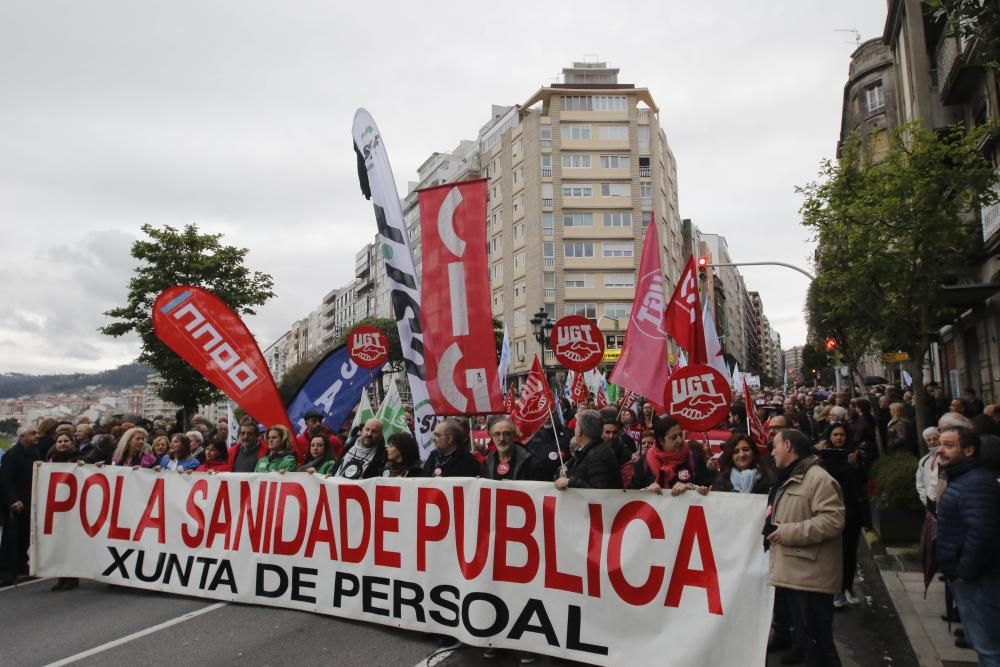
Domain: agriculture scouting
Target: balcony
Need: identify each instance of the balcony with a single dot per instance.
(547, 172)
(643, 114)
(647, 202)
(547, 202)
(548, 261)
(946, 57)
(645, 172)
(991, 223)
(550, 292)
(546, 143)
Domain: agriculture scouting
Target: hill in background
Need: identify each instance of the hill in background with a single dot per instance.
(13, 385)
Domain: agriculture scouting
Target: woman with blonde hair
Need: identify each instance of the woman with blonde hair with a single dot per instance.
(900, 434)
(133, 451)
(280, 455)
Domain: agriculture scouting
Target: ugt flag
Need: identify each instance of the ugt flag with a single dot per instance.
(642, 366)
(683, 317)
(533, 407)
(333, 388)
(457, 316)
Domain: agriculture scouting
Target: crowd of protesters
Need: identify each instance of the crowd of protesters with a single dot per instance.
(814, 469)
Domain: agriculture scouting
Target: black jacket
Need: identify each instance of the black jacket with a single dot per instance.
(594, 467)
(460, 464)
(16, 470)
(968, 515)
(523, 465)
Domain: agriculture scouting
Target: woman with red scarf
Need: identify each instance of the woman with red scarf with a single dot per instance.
(671, 463)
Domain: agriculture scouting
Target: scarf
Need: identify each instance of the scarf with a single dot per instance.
(744, 481)
(666, 464)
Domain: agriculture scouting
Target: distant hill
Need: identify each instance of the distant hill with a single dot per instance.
(13, 385)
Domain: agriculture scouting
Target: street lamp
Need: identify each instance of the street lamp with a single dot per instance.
(541, 327)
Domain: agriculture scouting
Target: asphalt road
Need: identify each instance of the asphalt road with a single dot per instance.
(99, 624)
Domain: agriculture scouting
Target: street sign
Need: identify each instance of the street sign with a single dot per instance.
(895, 357)
(611, 355)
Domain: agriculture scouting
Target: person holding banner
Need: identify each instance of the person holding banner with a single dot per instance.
(243, 457)
(280, 456)
(366, 458)
(133, 451)
(16, 475)
(451, 456)
(179, 457)
(510, 460)
(303, 443)
(216, 456)
(402, 456)
(321, 458)
(742, 468)
(593, 465)
(671, 463)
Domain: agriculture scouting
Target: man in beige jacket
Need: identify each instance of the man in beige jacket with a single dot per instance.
(803, 528)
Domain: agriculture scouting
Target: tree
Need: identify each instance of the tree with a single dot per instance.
(183, 257)
(975, 21)
(890, 232)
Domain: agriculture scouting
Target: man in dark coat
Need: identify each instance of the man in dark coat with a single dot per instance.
(16, 470)
(593, 465)
(451, 456)
(968, 516)
(510, 460)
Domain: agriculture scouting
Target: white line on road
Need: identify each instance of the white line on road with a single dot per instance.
(136, 635)
(24, 583)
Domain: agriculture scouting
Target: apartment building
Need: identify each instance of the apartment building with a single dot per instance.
(576, 173)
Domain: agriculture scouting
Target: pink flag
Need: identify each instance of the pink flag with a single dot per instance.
(642, 366)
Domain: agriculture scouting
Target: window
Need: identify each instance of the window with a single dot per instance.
(498, 299)
(875, 97)
(646, 190)
(519, 260)
(614, 341)
(497, 271)
(609, 103)
(498, 217)
(545, 132)
(614, 161)
(549, 280)
(584, 309)
(548, 249)
(617, 311)
(515, 149)
(578, 219)
(576, 160)
(520, 317)
(547, 224)
(574, 131)
(618, 249)
(546, 165)
(570, 191)
(621, 219)
(616, 190)
(579, 280)
(519, 347)
(520, 290)
(619, 280)
(519, 231)
(518, 204)
(579, 249)
(576, 103)
(613, 132)
(517, 175)
(647, 217)
(643, 132)
(496, 244)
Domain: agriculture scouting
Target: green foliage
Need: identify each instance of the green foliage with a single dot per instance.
(8, 425)
(973, 20)
(293, 378)
(184, 257)
(4, 444)
(894, 480)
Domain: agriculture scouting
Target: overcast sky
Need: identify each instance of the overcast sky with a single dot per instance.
(237, 116)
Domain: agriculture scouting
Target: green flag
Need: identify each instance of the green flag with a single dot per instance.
(391, 412)
(363, 413)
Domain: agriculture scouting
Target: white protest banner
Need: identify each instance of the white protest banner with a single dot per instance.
(605, 577)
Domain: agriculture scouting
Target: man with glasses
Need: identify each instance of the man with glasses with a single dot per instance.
(249, 449)
(451, 456)
(510, 460)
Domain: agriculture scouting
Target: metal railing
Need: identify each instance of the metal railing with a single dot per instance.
(547, 202)
(548, 261)
(546, 143)
(546, 171)
(550, 292)
(645, 172)
(646, 201)
(991, 222)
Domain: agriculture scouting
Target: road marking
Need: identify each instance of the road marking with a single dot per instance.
(25, 583)
(136, 635)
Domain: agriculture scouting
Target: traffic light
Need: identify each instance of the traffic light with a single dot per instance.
(702, 262)
(831, 344)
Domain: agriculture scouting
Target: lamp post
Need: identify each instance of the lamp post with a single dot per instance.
(541, 327)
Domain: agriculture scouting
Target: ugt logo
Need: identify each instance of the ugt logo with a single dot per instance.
(576, 343)
(695, 397)
(367, 345)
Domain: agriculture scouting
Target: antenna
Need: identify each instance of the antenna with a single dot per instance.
(857, 34)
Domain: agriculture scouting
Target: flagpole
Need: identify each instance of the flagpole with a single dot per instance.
(555, 435)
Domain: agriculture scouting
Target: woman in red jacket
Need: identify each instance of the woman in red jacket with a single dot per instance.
(216, 457)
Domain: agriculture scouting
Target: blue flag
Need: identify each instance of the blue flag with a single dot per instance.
(333, 388)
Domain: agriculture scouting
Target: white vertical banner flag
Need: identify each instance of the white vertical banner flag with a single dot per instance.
(736, 381)
(234, 426)
(713, 348)
(378, 185)
(504, 359)
(364, 411)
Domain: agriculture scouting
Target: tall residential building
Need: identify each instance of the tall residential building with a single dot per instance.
(725, 290)
(793, 365)
(576, 173)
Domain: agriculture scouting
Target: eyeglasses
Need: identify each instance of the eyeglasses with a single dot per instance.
(504, 434)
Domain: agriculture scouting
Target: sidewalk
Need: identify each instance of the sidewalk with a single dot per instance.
(921, 618)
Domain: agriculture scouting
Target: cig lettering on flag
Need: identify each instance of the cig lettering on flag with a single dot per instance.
(683, 316)
(533, 407)
(642, 366)
(461, 370)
